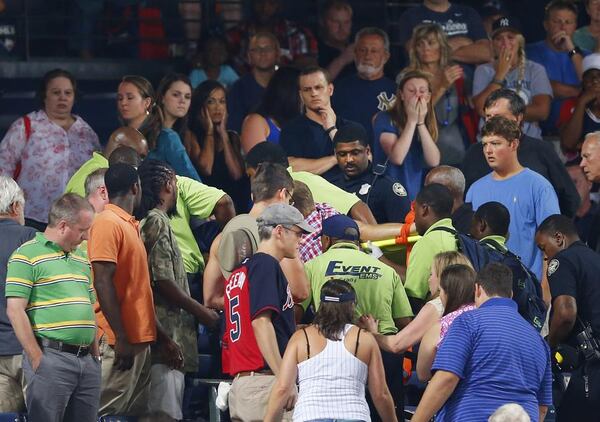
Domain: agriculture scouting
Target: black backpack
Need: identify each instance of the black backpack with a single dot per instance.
(527, 290)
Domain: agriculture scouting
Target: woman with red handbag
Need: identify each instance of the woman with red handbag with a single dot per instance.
(43, 149)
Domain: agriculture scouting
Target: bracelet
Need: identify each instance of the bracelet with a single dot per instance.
(328, 131)
(498, 82)
(576, 50)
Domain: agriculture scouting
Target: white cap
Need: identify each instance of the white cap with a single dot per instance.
(591, 61)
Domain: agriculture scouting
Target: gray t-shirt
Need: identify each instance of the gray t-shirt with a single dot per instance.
(13, 236)
(535, 82)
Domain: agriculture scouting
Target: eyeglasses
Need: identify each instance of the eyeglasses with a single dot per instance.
(290, 197)
(298, 233)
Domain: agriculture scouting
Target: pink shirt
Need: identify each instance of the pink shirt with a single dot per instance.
(447, 320)
(48, 159)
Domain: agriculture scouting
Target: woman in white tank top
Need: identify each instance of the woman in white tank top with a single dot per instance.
(333, 360)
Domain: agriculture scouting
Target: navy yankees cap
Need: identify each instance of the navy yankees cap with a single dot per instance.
(506, 23)
(341, 227)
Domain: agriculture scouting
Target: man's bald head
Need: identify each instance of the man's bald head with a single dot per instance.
(590, 157)
(450, 177)
(129, 137)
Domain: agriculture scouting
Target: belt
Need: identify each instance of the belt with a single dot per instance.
(76, 350)
(253, 373)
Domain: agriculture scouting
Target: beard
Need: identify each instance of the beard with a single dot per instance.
(368, 70)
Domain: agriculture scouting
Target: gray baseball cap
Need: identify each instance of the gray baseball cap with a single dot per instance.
(285, 215)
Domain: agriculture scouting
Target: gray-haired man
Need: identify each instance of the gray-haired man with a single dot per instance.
(14, 234)
(359, 96)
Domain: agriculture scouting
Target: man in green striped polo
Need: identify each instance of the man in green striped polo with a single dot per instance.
(49, 304)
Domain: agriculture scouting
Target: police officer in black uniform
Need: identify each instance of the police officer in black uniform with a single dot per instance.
(574, 278)
(387, 199)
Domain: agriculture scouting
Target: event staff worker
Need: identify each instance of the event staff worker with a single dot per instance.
(259, 313)
(49, 303)
(379, 289)
(574, 279)
(387, 199)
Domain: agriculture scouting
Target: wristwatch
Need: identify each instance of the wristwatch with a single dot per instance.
(576, 50)
(499, 82)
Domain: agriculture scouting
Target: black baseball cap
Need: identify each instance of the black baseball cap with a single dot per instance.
(506, 23)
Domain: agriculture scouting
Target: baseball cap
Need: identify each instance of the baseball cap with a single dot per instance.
(239, 241)
(591, 61)
(341, 227)
(351, 132)
(506, 23)
(285, 215)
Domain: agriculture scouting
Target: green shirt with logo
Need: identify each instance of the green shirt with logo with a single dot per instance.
(379, 289)
(421, 257)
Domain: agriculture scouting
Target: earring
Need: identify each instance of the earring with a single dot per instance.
(147, 112)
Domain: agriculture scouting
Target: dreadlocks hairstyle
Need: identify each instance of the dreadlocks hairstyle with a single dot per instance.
(154, 175)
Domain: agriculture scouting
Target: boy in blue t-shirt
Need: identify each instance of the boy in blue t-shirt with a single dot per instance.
(529, 197)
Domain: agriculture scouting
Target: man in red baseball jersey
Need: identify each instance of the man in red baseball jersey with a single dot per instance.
(259, 314)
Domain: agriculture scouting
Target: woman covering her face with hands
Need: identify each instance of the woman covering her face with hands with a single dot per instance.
(510, 69)
(215, 151)
(405, 135)
(174, 97)
(429, 52)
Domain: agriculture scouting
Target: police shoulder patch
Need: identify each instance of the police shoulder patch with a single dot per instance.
(553, 266)
(398, 189)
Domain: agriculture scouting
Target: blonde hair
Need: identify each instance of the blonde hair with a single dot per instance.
(444, 259)
(398, 112)
(424, 31)
(521, 63)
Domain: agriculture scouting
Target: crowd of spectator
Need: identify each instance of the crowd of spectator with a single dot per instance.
(256, 199)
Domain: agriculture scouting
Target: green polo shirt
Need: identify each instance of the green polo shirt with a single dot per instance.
(193, 198)
(197, 199)
(77, 182)
(58, 288)
(379, 289)
(500, 239)
(323, 191)
(421, 258)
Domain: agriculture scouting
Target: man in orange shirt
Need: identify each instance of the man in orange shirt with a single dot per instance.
(126, 319)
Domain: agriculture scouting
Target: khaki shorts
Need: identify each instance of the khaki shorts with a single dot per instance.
(249, 397)
(11, 384)
(124, 393)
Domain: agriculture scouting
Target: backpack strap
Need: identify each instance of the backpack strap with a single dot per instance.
(27, 124)
(495, 245)
(307, 343)
(445, 229)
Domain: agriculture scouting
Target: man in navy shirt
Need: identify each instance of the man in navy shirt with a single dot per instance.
(560, 57)
(574, 279)
(359, 96)
(246, 92)
(387, 199)
(462, 25)
(14, 234)
(308, 138)
(489, 357)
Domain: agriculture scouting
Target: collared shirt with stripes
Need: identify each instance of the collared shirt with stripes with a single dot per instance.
(58, 288)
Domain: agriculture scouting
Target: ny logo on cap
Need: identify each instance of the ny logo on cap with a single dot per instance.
(504, 22)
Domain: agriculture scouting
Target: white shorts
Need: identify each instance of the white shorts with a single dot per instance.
(166, 391)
